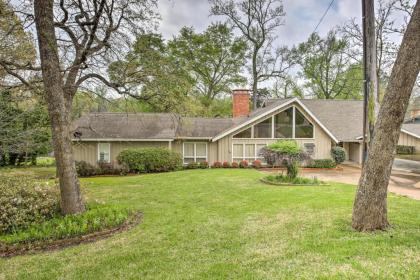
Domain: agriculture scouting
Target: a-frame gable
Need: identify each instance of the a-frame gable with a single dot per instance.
(271, 111)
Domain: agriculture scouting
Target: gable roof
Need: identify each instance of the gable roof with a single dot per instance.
(269, 109)
(342, 120)
(412, 129)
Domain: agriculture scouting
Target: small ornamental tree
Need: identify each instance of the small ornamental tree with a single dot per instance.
(285, 152)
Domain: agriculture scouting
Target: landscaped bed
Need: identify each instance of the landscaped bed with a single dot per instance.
(31, 219)
(225, 224)
(284, 180)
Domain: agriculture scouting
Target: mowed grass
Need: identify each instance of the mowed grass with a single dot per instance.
(226, 224)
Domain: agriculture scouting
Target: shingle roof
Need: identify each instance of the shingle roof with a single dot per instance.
(413, 128)
(127, 126)
(342, 118)
(202, 127)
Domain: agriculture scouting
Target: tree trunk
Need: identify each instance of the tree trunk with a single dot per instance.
(370, 205)
(58, 108)
(254, 79)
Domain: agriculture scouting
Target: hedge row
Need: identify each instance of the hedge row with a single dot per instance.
(147, 160)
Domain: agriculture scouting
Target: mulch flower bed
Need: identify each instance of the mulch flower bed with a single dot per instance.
(49, 245)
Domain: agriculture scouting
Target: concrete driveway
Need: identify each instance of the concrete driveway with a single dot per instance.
(406, 165)
(401, 182)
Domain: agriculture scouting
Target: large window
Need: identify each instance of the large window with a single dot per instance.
(263, 129)
(248, 152)
(290, 123)
(244, 134)
(104, 152)
(194, 152)
(303, 128)
(284, 124)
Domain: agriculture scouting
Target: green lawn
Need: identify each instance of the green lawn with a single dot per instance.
(226, 224)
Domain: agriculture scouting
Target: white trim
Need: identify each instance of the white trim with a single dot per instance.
(285, 104)
(194, 138)
(109, 152)
(195, 151)
(410, 133)
(294, 122)
(121, 139)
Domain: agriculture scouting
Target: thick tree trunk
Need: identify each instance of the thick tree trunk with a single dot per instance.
(58, 108)
(370, 206)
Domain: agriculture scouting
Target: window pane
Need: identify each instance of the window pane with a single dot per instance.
(104, 152)
(243, 134)
(249, 150)
(188, 149)
(303, 128)
(238, 150)
(284, 124)
(188, 160)
(200, 149)
(201, 159)
(263, 129)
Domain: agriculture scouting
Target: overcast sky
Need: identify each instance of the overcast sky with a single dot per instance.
(301, 17)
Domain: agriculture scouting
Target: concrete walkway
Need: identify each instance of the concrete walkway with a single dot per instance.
(401, 182)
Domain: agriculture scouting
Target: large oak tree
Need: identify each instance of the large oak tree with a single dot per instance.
(76, 39)
(370, 205)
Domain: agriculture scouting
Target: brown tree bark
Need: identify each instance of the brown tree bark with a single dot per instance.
(59, 107)
(370, 205)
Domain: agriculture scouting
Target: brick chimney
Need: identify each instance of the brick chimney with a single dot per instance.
(240, 103)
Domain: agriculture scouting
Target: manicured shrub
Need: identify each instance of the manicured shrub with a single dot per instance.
(192, 165)
(24, 201)
(226, 164)
(150, 160)
(85, 169)
(235, 164)
(203, 165)
(106, 168)
(285, 152)
(322, 163)
(405, 150)
(338, 154)
(243, 164)
(257, 164)
(217, 164)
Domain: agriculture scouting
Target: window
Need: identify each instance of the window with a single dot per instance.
(104, 152)
(288, 124)
(263, 129)
(248, 152)
(303, 128)
(194, 152)
(243, 134)
(284, 124)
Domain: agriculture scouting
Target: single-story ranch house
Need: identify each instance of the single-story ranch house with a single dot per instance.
(317, 125)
